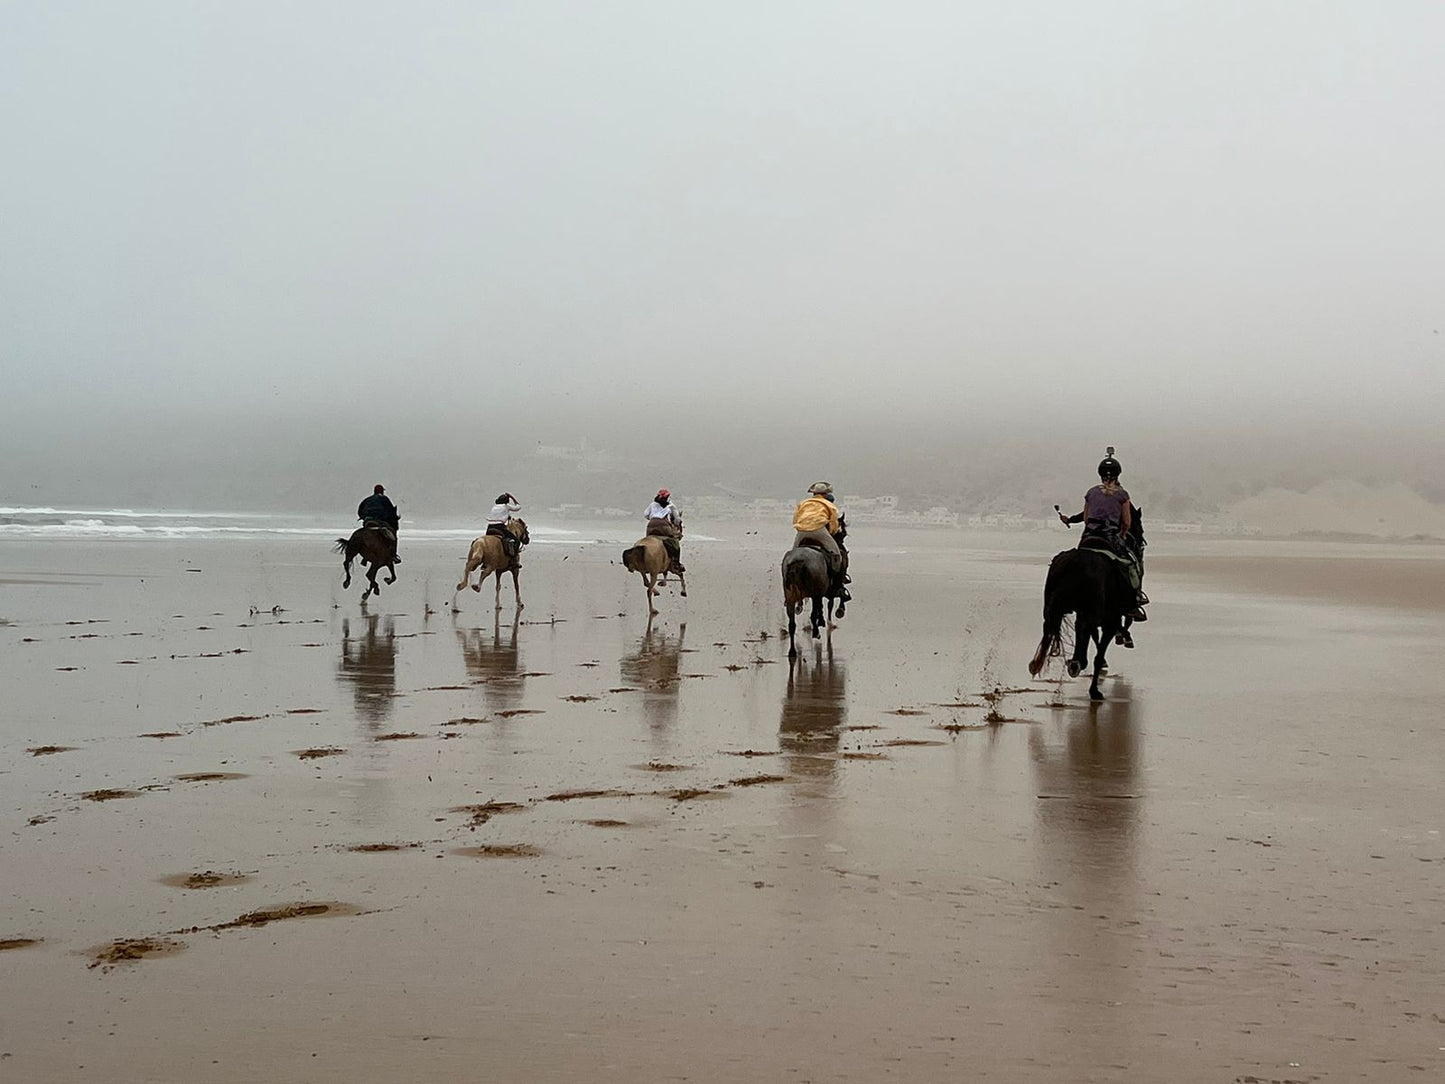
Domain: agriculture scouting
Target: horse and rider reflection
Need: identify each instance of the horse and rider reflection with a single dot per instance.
(814, 710)
(494, 661)
(655, 667)
(368, 662)
(1092, 775)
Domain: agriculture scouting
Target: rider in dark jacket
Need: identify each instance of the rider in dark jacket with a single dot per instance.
(377, 510)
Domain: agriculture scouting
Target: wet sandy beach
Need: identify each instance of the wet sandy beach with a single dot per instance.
(252, 831)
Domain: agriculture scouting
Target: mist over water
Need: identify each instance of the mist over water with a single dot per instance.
(261, 258)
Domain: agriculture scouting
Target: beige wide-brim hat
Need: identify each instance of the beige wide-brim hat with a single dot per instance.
(819, 488)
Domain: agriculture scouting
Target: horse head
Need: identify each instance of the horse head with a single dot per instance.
(1136, 530)
(518, 527)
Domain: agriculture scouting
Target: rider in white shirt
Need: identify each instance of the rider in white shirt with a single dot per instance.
(502, 511)
(665, 522)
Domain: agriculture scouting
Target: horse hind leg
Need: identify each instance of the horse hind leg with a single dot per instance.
(682, 584)
(1101, 666)
(792, 609)
(516, 587)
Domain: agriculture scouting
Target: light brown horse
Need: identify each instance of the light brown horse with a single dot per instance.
(650, 557)
(488, 554)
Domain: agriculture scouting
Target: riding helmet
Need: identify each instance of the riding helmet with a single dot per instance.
(1109, 468)
(820, 488)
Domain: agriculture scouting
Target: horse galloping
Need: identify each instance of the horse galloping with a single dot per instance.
(1087, 583)
(806, 576)
(376, 550)
(488, 554)
(650, 557)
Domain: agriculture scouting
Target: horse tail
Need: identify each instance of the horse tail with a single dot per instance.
(1055, 607)
(341, 544)
(795, 589)
(632, 558)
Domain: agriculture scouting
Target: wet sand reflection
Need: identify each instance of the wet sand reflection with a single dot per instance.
(1089, 821)
(1088, 814)
(495, 662)
(655, 667)
(368, 663)
(814, 711)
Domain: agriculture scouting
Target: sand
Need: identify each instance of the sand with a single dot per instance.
(405, 844)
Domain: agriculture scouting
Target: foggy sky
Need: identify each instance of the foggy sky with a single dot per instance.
(550, 219)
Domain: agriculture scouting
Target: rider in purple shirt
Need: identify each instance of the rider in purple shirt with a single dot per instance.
(1107, 517)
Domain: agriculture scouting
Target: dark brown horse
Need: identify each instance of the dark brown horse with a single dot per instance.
(375, 549)
(1087, 583)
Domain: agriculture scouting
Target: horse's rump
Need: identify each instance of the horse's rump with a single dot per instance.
(805, 574)
(646, 551)
(633, 558)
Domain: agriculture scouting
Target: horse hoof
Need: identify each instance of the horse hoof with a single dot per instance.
(1095, 694)
(477, 588)
(682, 594)
(1074, 668)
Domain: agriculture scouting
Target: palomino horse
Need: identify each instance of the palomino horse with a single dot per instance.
(488, 554)
(376, 551)
(650, 557)
(1088, 584)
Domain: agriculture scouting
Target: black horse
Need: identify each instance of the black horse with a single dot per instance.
(806, 576)
(1088, 584)
(375, 549)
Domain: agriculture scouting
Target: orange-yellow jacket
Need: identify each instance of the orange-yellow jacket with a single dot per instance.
(815, 512)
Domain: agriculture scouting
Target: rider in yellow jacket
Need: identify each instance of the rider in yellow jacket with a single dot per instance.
(816, 519)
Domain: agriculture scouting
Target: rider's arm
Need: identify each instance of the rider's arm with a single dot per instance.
(832, 518)
(1076, 518)
(1126, 519)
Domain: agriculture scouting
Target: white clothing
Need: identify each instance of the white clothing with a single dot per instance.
(657, 510)
(502, 512)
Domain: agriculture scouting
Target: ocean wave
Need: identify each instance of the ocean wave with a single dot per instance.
(128, 513)
(40, 523)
